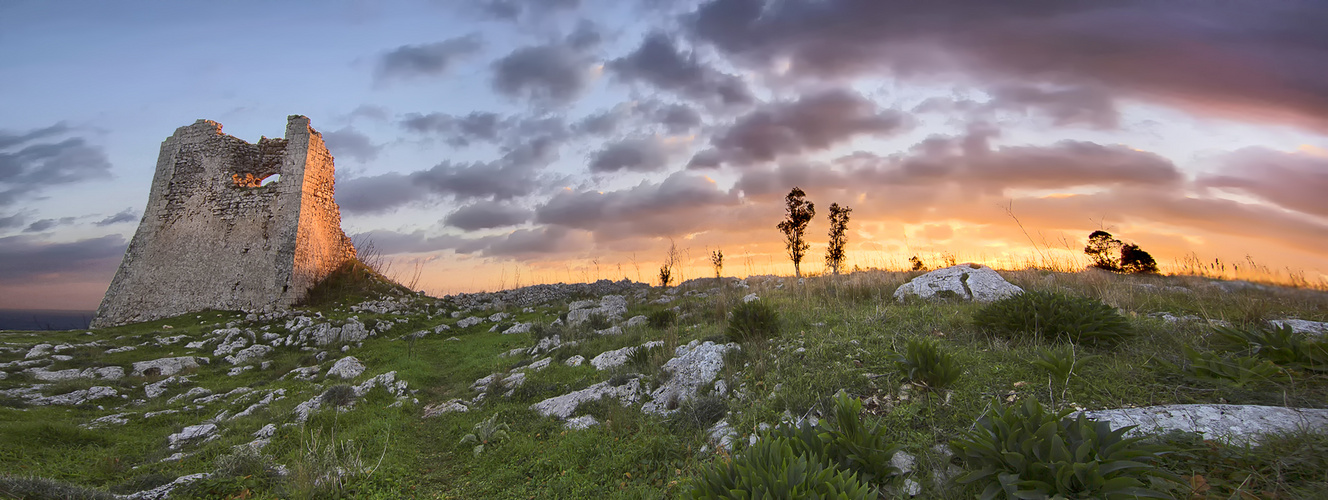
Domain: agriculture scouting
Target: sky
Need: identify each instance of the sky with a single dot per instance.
(487, 144)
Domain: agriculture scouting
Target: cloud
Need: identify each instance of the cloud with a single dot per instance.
(515, 175)
(350, 143)
(677, 118)
(552, 74)
(10, 221)
(34, 160)
(486, 215)
(514, 10)
(1243, 59)
(640, 116)
(680, 203)
(814, 122)
(45, 224)
(485, 127)
(432, 59)
(126, 215)
(1295, 181)
(640, 154)
(26, 258)
(388, 242)
(659, 62)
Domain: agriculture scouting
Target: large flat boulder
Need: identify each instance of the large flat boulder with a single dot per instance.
(1237, 424)
(972, 282)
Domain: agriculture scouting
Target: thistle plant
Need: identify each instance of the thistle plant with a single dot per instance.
(925, 364)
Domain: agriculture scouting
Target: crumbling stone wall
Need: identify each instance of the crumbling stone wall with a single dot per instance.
(220, 233)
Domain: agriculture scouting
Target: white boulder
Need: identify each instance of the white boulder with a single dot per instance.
(971, 282)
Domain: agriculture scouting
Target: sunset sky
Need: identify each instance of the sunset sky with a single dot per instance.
(512, 142)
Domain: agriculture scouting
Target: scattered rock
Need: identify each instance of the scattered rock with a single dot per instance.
(38, 351)
(636, 321)
(518, 328)
(617, 357)
(972, 282)
(540, 365)
(575, 360)
(1312, 329)
(563, 406)
(1239, 424)
(694, 367)
(612, 307)
(469, 322)
(455, 405)
(750, 297)
(158, 388)
(249, 354)
(346, 368)
(167, 366)
(580, 423)
(164, 491)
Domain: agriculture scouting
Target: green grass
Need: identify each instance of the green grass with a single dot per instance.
(834, 333)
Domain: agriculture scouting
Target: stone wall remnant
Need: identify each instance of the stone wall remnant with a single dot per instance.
(230, 225)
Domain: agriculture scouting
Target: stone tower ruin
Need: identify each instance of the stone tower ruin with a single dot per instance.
(230, 226)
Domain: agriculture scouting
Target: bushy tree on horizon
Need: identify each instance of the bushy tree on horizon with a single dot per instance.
(798, 213)
(1102, 248)
(834, 252)
(1135, 260)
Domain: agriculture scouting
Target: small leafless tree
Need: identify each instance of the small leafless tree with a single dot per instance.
(671, 260)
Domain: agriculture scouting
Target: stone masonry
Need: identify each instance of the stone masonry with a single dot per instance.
(230, 226)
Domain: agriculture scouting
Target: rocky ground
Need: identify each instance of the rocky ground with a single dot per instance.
(162, 403)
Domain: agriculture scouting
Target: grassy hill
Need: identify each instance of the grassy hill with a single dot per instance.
(377, 435)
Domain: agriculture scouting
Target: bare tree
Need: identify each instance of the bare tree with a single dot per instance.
(798, 213)
(834, 252)
(666, 270)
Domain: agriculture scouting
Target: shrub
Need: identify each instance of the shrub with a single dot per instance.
(597, 321)
(1050, 316)
(39, 488)
(1278, 344)
(753, 320)
(640, 357)
(839, 453)
(338, 395)
(1025, 452)
(1135, 260)
(924, 363)
(662, 319)
(699, 412)
(235, 475)
(771, 469)
(1233, 369)
(487, 432)
(1060, 363)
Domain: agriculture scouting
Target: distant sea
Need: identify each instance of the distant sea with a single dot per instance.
(44, 319)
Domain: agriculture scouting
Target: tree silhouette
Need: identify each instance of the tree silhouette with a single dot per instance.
(1135, 260)
(798, 213)
(834, 253)
(717, 260)
(1102, 247)
(917, 263)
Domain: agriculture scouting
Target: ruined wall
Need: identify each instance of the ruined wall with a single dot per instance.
(215, 236)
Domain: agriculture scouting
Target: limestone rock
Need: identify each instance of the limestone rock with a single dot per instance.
(580, 423)
(1311, 329)
(965, 281)
(193, 432)
(249, 354)
(469, 322)
(1240, 424)
(563, 406)
(38, 351)
(346, 368)
(616, 357)
(575, 360)
(518, 328)
(167, 366)
(611, 307)
(695, 366)
(636, 321)
(455, 405)
(158, 388)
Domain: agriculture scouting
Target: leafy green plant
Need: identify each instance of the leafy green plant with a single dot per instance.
(1234, 369)
(1279, 344)
(1060, 363)
(661, 319)
(237, 474)
(848, 442)
(755, 320)
(771, 469)
(488, 432)
(338, 395)
(640, 358)
(1025, 452)
(925, 364)
(1050, 315)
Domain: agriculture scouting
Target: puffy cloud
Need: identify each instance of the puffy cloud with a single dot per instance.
(126, 215)
(432, 59)
(10, 221)
(659, 62)
(641, 154)
(681, 203)
(1249, 60)
(815, 122)
(47, 224)
(351, 143)
(486, 215)
(485, 127)
(26, 258)
(378, 193)
(551, 74)
(34, 160)
(514, 10)
(1295, 181)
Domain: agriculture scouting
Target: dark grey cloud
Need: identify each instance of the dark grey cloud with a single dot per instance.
(34, 160)
(25, 258)
(1060, 107)
(552, 74)
(389, 242)
(516, 174)
(520, 243)
(11, 221)
(486, 215)
(814, 122)
(486, 127)
(1295, 181)
(350, 143)
(677, 118)
(515, 10)
(1245, 59)
(432, 59)
(661, 63)
(639, 154)
(46, 224)
(640, 116)
(680, 203)
(126, 215)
